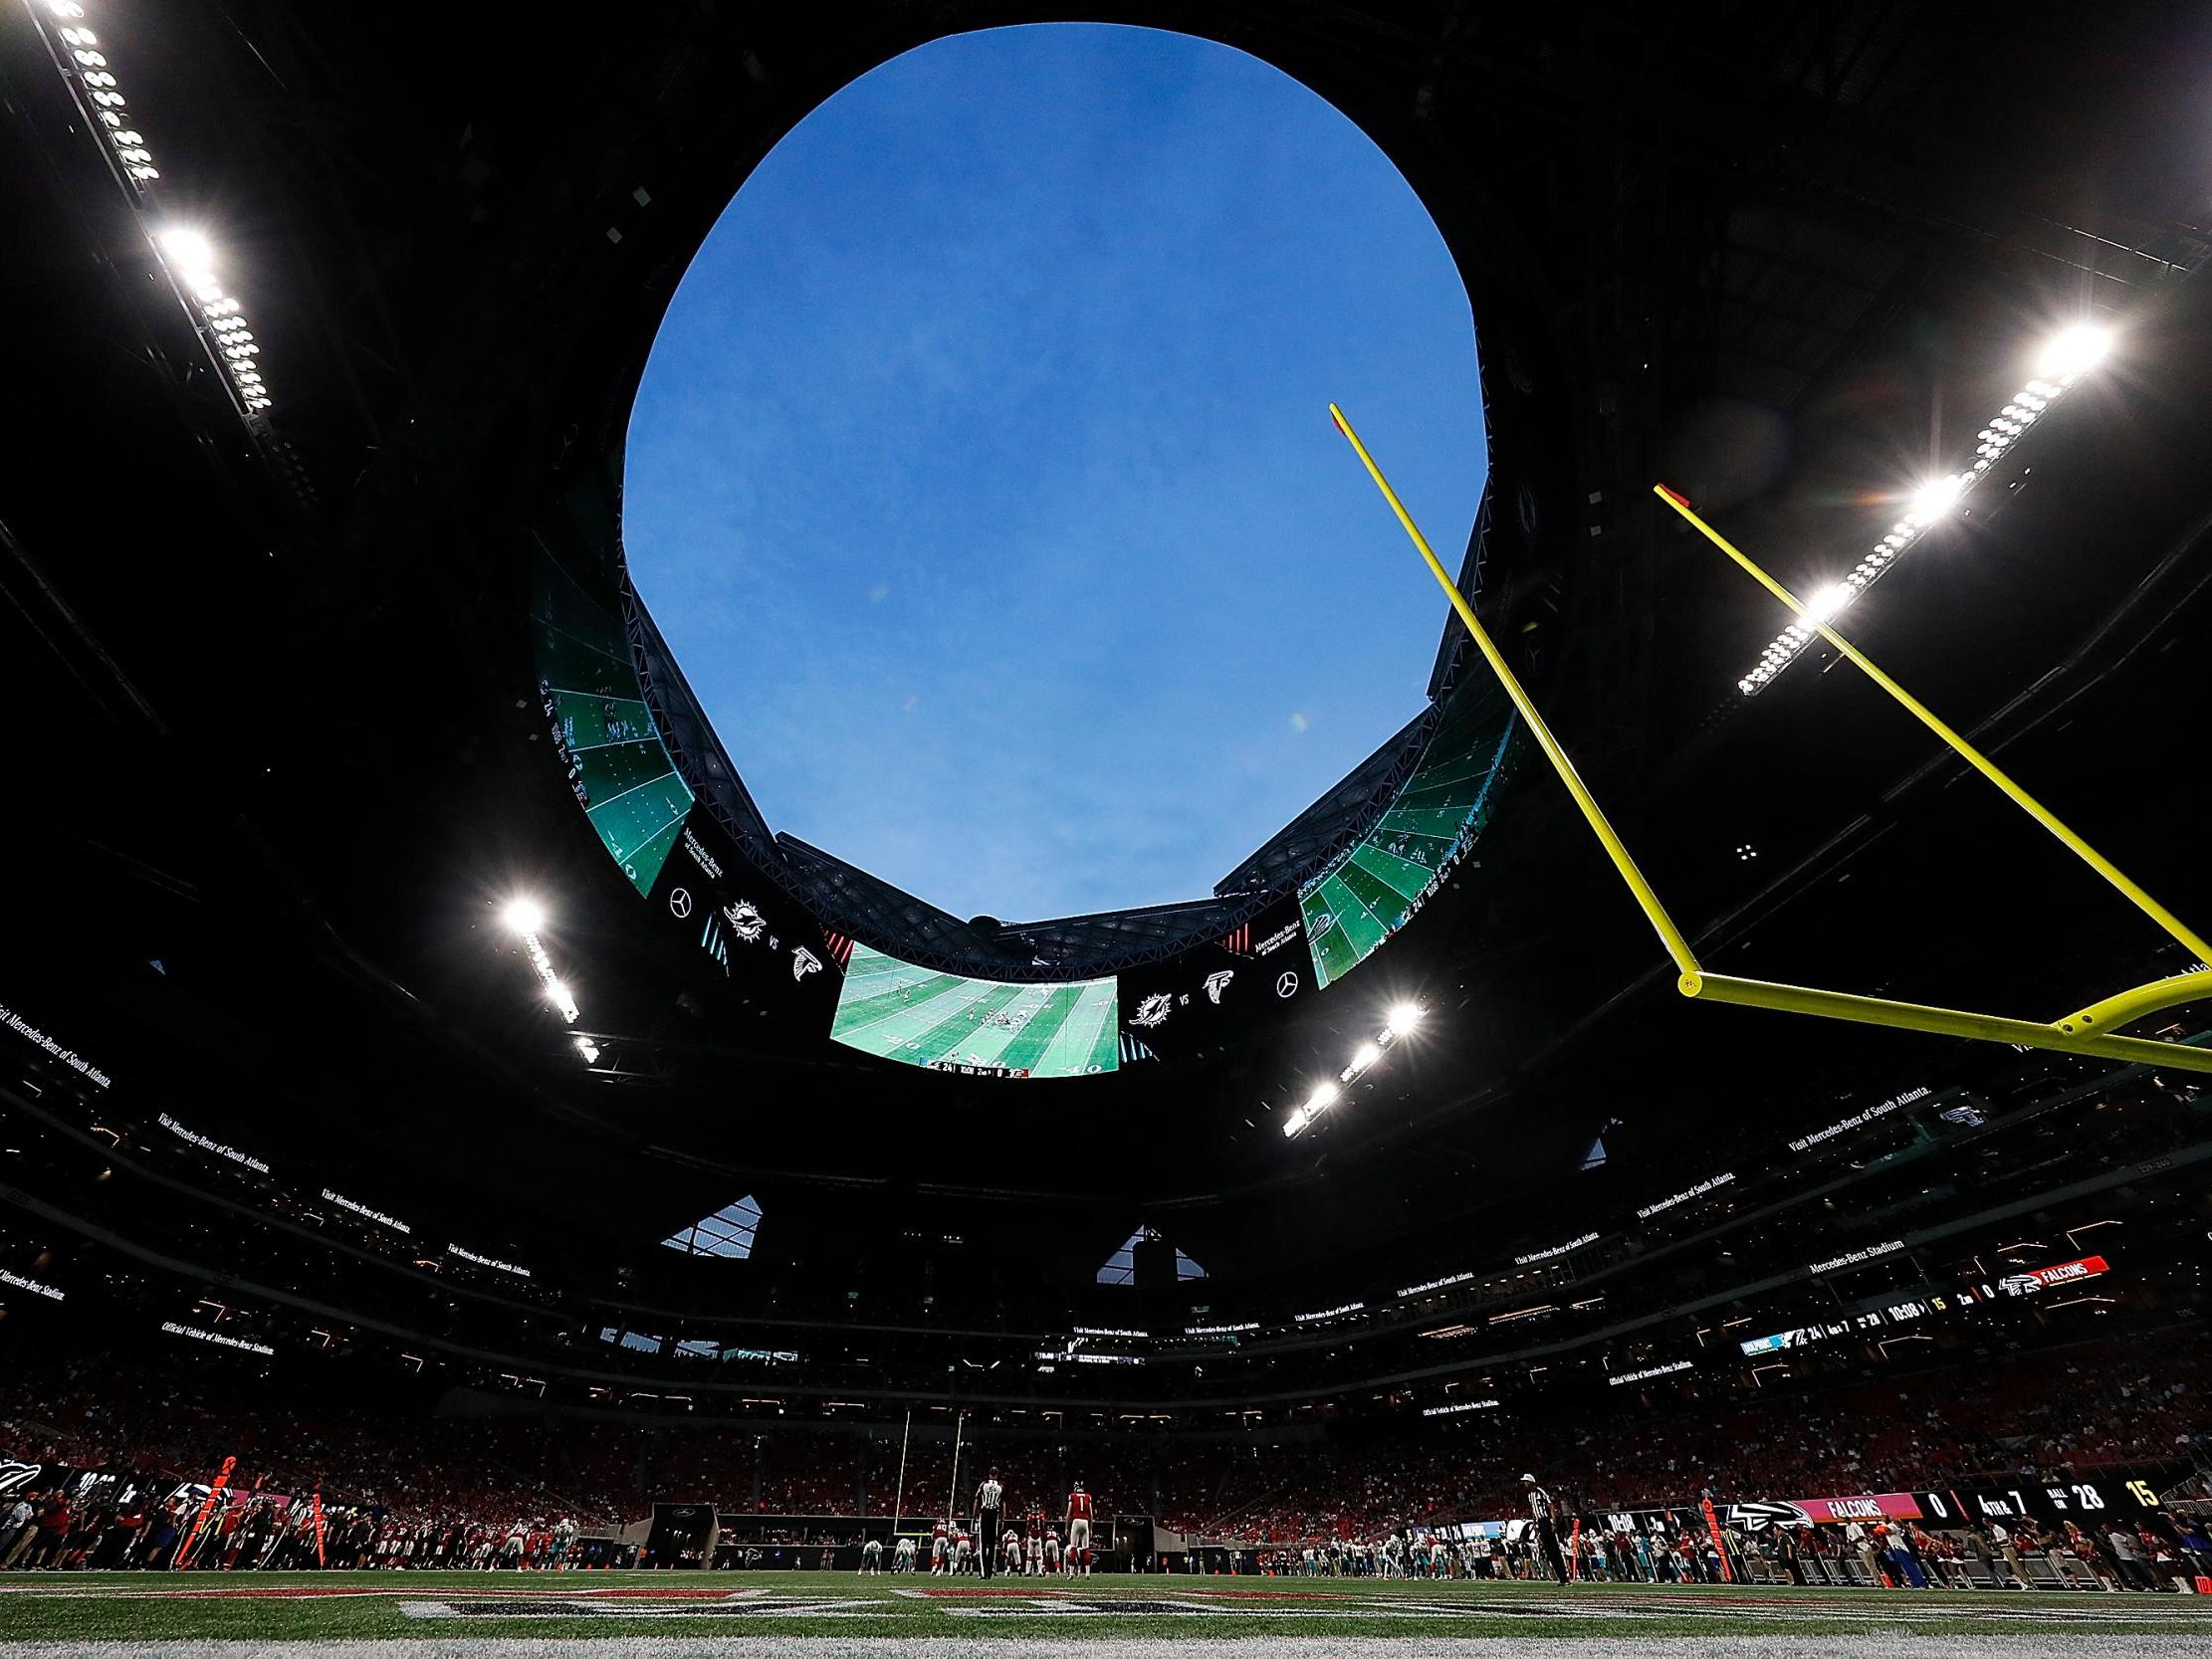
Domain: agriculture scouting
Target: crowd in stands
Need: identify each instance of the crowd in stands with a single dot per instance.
(399, 1487)
(2077, 1409)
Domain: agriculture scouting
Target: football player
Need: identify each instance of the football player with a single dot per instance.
(1078, 1531)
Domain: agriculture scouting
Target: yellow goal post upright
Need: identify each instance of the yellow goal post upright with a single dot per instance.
(2090, 1030)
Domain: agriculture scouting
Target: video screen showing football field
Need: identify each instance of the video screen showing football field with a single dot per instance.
(898, 1012)
(1363, 898)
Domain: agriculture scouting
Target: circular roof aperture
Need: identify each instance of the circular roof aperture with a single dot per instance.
(982, 476)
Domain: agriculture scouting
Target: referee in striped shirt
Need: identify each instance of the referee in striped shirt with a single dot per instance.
(1541, 1516)
(991, 1497)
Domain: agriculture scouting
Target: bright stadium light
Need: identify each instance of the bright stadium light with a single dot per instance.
(557, 994)
(189, 250)
(186, 251)
(1828, 601)
(2074, 350)
(1368, 1055)
(2067, 356)
(525, 916)
(1935, 498)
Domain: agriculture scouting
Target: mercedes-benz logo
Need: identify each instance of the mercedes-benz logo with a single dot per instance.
(1287, 985)
(679, 902)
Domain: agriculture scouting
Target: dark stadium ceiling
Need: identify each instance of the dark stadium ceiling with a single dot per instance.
(284, 741)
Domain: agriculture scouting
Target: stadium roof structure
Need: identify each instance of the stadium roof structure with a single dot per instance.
(272, 629)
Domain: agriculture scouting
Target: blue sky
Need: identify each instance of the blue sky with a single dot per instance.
(983, 480)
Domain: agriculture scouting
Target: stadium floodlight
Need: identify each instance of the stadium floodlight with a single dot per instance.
(525, 916)
(186, 250)
(1403, 1018)
(1828, 601)
(2067, 356)
(1936, 497)
(189, 250)
(2073, 351)
(557, 993)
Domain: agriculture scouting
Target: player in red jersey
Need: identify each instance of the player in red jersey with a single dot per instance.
(1078, 1531)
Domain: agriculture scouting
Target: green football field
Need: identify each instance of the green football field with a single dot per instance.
(514, 1614)
(903, 1013)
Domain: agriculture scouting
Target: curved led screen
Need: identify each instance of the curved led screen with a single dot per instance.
(602, 732)
(976, 1027)
(1377, 886)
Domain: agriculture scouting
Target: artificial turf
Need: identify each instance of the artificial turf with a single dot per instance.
(135, 1608)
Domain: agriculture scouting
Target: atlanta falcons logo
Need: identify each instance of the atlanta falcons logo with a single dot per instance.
(804, 963)
(1154, 1010)
(1216, 983)
(745, 922)
(1757, 1517)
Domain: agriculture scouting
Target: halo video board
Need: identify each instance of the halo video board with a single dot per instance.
(978, 1027)
(1376, 886)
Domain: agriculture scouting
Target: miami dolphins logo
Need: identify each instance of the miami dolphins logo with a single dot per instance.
(1154, 1010)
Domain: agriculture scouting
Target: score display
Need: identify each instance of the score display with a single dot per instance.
(976, 1027)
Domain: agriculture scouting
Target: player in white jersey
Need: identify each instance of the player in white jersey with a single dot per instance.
(902, 1559)
(871, 1556)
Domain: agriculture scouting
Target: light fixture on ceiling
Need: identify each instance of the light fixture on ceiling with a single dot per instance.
(2067, 354)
